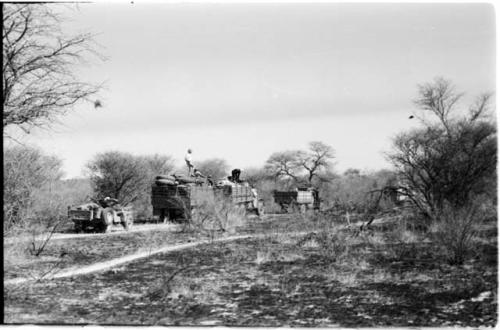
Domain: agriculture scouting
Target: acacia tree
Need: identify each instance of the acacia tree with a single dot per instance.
(128, 178)
(300, 165)
(316, 161)
(38, 66)
(157, 164)
(118, 175)
(450, 161)
(284, 164)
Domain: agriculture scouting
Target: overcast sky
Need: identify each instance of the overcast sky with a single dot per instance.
(240, 82)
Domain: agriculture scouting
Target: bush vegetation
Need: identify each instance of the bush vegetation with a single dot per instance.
(28, 175)
(127, 178)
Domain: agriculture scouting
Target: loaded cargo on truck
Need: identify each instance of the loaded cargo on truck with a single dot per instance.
(176, 197)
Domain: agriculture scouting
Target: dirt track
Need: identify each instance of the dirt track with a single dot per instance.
(75, 271)
(118, 261)
(252, 279)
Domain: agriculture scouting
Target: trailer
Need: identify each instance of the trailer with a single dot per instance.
(300, 199)
(177, 202)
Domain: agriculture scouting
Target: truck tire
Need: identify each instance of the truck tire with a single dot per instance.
(104, 228)
(78, 228)
(164, 216)
(107, 217)
(260, 209)
(128, 222)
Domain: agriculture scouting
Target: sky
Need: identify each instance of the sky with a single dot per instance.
(241, 81)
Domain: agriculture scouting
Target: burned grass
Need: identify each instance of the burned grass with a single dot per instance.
(89, 249)
(272, 281)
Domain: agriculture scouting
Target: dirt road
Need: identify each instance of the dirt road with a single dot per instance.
(100, 266)
(118, 261)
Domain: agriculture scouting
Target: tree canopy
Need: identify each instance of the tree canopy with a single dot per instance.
(39, 61)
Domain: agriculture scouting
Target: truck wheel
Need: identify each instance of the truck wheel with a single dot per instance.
(128, 222)
(260, 209)
(107, 217)
(164, 216)
(104, 228)
(78, 228)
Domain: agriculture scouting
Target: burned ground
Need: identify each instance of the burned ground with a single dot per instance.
(276, 280)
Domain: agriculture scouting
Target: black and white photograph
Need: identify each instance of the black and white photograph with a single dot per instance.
(250, 164)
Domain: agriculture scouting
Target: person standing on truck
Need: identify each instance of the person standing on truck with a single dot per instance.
(189, 161)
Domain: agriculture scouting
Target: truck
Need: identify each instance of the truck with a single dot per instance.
(302, 198)
(101, 215)
(178, 202)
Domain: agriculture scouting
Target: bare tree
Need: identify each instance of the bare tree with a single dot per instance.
(449, 162)
(38, 76)
(128, 178)
(284, 164)
(158, 164)
(317, 159)
(118, 175)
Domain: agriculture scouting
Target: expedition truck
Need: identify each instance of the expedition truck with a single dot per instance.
(300, 199)
(173, 200)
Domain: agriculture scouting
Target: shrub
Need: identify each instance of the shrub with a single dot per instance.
(26, 172)
(453, 158)
(356, 192)
(215, 214)
(127, 178)
(331, 243)
(455, 229)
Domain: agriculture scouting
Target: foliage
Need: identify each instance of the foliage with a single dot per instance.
(263, 181)
(157, 164)
(455, 228)
(117, 175)
(283, 164)
(311, 166)
(316, 160)
(255, 175)
(450, 161)
(26, 172)
(355, 191)
(217, 168)
(39, 62)
(127, 178)
(215, 215)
